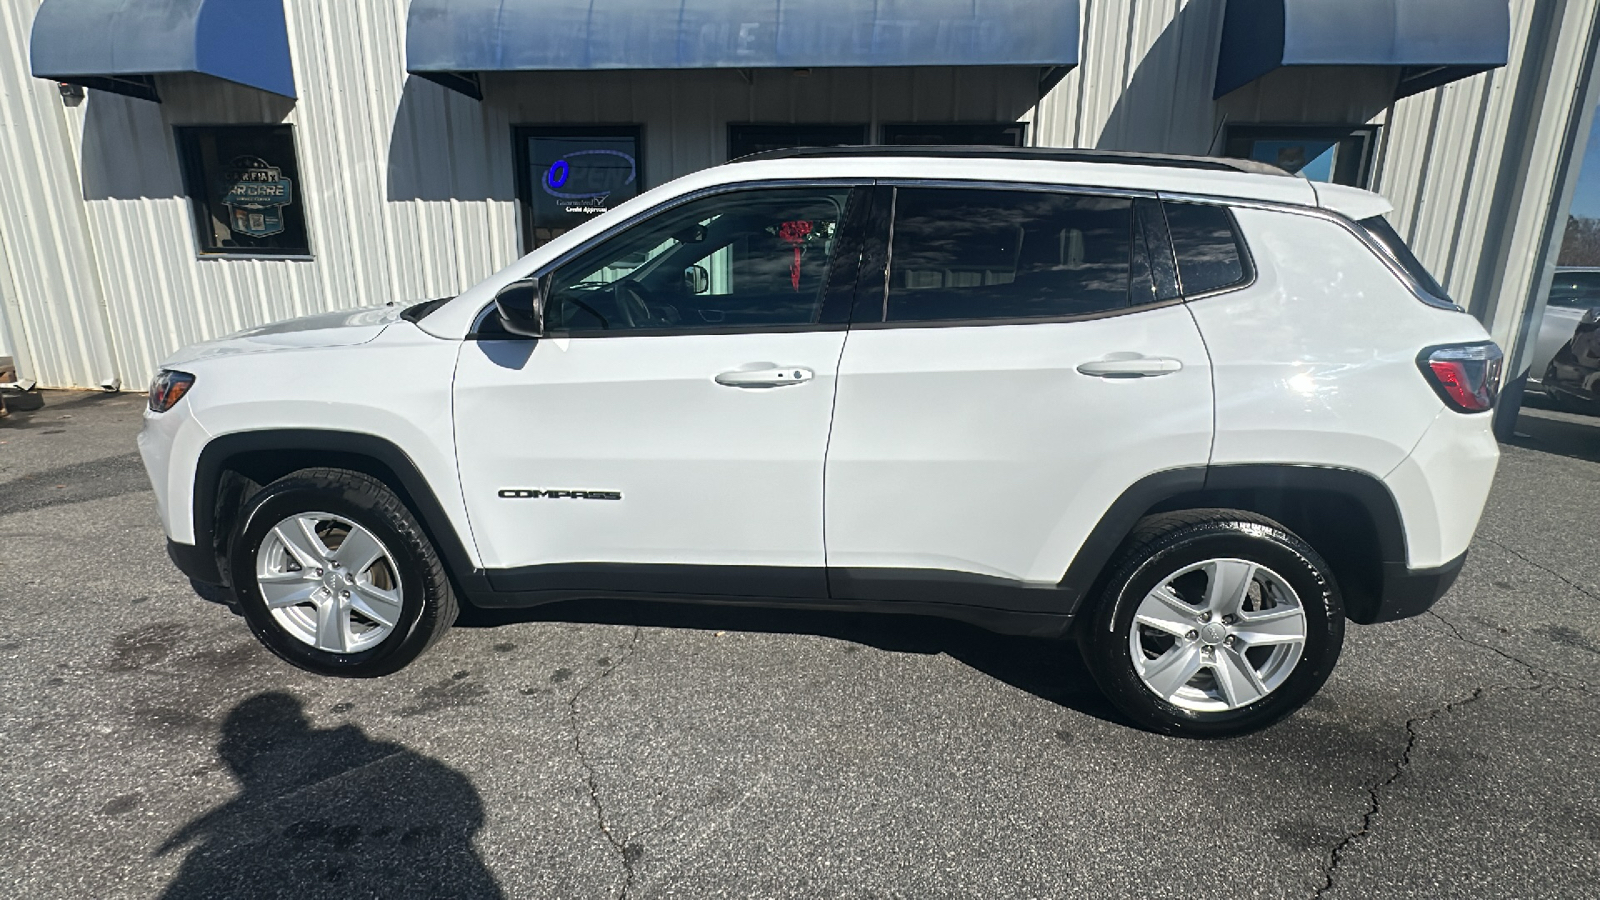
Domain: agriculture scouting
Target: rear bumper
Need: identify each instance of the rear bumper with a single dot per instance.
(1408, 592)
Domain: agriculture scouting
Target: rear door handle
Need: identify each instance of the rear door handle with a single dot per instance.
(1119, 365)
(766, 377)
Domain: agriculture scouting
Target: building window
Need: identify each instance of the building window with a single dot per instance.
(567, 176)
(1341, 154)
(987, 134)
(744, 139)
(244, 184)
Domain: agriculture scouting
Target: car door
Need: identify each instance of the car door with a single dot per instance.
(667, 433)
(1573, 293)
(1025, 361)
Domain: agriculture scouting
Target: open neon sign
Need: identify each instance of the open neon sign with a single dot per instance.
(558, 179)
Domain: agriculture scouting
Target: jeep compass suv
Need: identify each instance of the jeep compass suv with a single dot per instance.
(1192, 413)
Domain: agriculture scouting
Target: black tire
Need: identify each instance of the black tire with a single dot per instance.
(428, 608)
(1165, 544)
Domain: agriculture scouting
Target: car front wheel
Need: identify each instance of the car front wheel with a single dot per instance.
(1215, 623)
(335, 576)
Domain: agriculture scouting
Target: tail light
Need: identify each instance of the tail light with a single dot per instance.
(1466, 376)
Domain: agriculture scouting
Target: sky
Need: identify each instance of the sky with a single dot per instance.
(1586, 202)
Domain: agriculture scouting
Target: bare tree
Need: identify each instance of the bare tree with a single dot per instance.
(1580, 246)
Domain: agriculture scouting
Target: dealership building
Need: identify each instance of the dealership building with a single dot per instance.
(175, 170)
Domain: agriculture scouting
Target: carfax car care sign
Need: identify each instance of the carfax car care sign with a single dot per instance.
(255, 193)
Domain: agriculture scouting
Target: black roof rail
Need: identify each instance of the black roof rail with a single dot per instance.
(966, 151)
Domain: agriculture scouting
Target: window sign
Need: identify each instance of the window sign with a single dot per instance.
(256, 192)
(1338, 154)
(241, 181)
(569, 177)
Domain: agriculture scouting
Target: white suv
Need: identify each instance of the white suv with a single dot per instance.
(1192, 412)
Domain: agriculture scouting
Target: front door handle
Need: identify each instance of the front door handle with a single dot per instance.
(1130, 365)
(766, 377)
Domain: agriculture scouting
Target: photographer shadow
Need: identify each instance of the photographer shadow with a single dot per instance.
(330, 813)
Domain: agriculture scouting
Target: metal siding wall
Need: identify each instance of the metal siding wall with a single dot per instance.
(409, 191)
(367, 248)
(1469, 180)
(53, 290)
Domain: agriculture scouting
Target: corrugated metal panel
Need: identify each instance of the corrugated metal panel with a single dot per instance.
(53, 280)
(1470, 166)
(9, 310)
(409, 188)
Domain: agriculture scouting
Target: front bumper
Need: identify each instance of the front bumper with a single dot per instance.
(199, 563)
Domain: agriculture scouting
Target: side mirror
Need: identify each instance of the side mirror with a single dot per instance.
(521, 306)
(697, 279)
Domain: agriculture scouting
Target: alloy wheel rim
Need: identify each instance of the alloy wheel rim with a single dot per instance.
(1218, 635)
(329, 582)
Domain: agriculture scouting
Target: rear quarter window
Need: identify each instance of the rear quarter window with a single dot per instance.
(1395, 246)
(1211, 256)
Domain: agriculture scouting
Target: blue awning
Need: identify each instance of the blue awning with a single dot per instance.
(1432, 42)
(450, 41)
(117, 45)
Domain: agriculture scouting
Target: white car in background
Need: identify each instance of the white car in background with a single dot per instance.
(1575, 291)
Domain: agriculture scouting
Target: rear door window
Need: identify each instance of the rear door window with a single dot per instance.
(961, 254)
(1210, 255)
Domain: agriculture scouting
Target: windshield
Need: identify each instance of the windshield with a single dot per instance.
(1380, 229)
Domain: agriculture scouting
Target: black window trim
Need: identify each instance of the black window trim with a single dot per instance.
(861, 130)
(875, 293)
(886, 129)
(830, 320)
(199, 209)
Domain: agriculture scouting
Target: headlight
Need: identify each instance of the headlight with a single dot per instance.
(168, 388)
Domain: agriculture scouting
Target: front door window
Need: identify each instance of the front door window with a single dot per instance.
(736, 260)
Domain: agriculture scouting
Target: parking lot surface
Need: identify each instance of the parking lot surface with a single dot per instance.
(150, 748)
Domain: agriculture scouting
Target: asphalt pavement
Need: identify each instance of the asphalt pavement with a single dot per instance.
(149, 747)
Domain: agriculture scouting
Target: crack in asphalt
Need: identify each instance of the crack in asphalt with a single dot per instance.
(1543, 679)
(1540, 679)
(1374, 803)
(1534, 672)
(628, 853)
(1582, 589)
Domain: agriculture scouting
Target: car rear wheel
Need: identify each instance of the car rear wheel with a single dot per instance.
(1214, 623)
(334, 574)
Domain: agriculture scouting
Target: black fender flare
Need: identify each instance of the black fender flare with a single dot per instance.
(408, 479)
(1157, 491)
